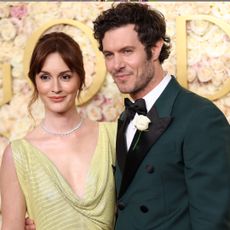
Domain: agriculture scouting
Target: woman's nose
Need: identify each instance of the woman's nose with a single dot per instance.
(56, 87)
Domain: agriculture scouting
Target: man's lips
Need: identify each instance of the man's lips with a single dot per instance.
(122, 76)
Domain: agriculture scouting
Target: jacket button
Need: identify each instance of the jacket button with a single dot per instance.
(149, 169)
(121, 205)
(144, 209)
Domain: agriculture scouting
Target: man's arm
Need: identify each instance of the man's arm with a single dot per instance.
(13, 202)
(207, 170)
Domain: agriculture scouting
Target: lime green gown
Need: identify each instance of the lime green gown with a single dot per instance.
(51, 202)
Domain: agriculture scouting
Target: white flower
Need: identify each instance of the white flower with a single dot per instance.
(141, 122)
(110, 112)
(94, 112)
(8, 30)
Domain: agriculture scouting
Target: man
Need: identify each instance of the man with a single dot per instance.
(173, 174)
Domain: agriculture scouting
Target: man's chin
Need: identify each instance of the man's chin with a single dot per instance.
(125, 91)
(123, 88)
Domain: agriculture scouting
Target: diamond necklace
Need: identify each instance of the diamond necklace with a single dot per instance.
(62, 133)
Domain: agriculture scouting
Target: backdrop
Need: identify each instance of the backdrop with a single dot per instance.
(199, 58)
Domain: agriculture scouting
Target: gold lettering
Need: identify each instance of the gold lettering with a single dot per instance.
(99, 66)
(181, 51)
(7, 84)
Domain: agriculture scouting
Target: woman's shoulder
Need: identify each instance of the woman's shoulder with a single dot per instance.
(110, 128)
(21, 146)
(16, 144)
(11, 152)
(7, 153)
(109, 125)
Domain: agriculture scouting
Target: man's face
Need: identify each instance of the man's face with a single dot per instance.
(126, 61)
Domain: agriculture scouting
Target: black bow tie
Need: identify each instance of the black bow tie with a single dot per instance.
(137, 107)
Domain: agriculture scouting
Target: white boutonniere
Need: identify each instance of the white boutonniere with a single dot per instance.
(141, 122)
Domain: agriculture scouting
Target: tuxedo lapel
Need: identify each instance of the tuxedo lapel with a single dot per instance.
(121, 146)
(140, 146)
(160, 116)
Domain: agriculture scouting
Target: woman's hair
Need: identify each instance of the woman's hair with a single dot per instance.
(68, 49)
(148, 23)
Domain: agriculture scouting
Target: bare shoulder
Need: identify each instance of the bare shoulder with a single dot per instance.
(7, 155)
(7, 165)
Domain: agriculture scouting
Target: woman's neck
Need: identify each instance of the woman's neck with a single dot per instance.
(61, 122)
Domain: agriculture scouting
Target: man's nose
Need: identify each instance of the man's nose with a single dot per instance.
(118, 63)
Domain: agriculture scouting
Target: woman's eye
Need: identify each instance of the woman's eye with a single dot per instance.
(45, 77)
(66, 77)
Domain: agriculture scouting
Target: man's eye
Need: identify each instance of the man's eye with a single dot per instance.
(107, 55)
(128, 51)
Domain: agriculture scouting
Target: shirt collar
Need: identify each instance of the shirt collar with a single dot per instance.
(155, 93)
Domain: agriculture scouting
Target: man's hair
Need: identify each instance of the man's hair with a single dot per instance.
(148, 23)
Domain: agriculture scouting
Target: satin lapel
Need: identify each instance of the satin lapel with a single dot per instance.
(141, 145)
(121, 146)
(158, 125)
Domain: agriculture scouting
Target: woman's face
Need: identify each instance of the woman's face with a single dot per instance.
(57, 85)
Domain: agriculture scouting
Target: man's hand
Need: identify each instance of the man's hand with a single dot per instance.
(29, 224)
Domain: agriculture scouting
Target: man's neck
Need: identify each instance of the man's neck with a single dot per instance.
(152, 84)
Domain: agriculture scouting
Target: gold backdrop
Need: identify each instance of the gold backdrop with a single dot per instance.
(199, 58)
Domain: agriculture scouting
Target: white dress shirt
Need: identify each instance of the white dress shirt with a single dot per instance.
(150, 99)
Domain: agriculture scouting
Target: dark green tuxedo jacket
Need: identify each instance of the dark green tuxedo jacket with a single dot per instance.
(177, 176)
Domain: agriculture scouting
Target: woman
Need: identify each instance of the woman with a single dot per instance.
(61, 172)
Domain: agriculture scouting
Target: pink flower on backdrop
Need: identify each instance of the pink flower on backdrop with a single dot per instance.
(18, 11)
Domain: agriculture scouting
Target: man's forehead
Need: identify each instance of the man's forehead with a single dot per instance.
(120, 37)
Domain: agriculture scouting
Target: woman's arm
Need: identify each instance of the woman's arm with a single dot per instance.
(12, 199)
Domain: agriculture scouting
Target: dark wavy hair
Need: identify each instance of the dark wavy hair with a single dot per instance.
(63, 44)
(148, 23)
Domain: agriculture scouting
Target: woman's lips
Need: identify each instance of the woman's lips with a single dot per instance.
(57, 98)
